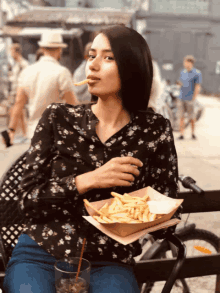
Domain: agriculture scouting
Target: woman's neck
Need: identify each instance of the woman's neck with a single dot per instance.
(111, 112)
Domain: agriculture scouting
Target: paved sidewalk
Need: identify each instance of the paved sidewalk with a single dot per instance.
(200, 159)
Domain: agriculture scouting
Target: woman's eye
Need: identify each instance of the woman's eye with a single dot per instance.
(91, 56)
(110, 58)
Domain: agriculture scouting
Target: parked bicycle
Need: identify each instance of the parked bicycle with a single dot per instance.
(168, 108)
(190, 236)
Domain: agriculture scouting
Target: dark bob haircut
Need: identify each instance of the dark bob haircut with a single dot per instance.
(134, 61)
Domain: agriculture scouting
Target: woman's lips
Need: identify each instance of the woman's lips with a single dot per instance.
(92, 81)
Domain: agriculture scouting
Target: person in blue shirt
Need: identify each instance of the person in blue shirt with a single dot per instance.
(190, 79)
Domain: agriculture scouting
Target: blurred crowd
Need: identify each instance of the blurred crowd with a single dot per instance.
(31, 88)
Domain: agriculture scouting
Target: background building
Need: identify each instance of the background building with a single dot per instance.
(77, 26)
(175, 28)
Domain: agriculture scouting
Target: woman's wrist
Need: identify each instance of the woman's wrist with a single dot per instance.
(84, 182)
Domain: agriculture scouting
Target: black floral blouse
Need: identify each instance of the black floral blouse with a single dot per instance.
(65, 145)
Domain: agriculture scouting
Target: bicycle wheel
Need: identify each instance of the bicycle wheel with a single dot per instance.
(176, 118)
(166, 112)
(170, 115)
(197, 237)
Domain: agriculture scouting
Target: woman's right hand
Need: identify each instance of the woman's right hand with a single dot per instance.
(119, 171)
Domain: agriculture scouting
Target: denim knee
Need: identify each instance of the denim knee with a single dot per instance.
(113, 279)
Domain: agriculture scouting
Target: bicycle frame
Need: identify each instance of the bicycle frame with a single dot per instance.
(209, 201)
(180, 260)
(156, 245)
(167, 235)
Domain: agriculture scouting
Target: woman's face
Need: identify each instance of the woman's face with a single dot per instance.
(102, 70)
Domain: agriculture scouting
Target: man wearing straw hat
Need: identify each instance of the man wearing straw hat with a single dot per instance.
(41, 84)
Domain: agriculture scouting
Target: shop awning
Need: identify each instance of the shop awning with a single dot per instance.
(73, 16)
(12, 31)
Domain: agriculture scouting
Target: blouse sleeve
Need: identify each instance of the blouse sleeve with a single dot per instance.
(164, 165)
(40, 195)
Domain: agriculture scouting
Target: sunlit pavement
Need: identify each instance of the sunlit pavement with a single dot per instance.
(200, 158)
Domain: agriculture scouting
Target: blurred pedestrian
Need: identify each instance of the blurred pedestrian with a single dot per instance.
(155, 101)
(39, 54)
(190, 79)
(81, 92)
(20, 64)
(42, 83)
(9, 74)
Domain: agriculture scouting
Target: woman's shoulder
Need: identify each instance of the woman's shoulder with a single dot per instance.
(69, 108)
(154, 123)
(149, 116)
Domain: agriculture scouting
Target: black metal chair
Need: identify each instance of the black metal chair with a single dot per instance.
(12, 222)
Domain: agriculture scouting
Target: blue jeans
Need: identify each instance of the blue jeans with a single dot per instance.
(31, 270)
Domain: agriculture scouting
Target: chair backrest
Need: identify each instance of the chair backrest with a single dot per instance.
(11, 221)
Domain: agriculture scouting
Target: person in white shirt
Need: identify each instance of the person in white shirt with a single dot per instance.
(41, 84)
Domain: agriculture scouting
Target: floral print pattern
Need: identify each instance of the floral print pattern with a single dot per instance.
(65, 145)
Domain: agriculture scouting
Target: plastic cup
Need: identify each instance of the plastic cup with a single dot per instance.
(65, 275)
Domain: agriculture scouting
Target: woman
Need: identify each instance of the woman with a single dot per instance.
(87, 151)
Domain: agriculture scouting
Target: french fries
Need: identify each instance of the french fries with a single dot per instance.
(81, 82)
(125, 209)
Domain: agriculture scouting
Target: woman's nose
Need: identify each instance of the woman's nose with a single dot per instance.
(94, 64)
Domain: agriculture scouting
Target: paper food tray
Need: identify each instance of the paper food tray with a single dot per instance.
(126, 229)
(133, 237)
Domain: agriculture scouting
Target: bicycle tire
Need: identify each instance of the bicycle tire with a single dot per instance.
(176, 120)
(167, 113)
(203, 238)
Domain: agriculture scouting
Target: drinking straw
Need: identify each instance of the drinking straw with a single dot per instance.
(80, 260)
